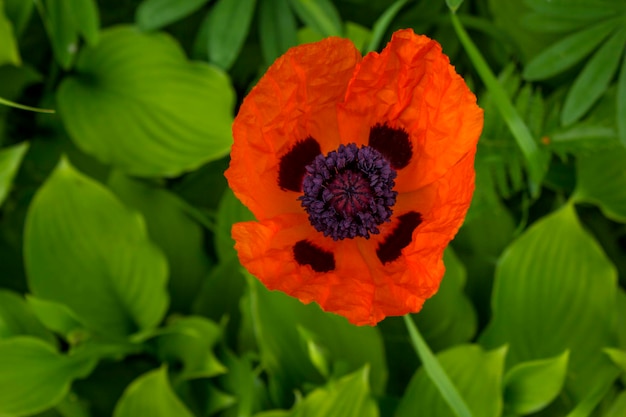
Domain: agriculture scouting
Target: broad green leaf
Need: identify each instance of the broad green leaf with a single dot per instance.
(618, 357)
(594, 79)
(230, 211)
(477, 374)
(114, 111)
(531, 386)
(275, 318)
(618, 408)
(567, 52)
(34, 377)
(151, 395)
(448, 318)
(320, 15)
(555, 290)
(17, 318)
(84, 249)
(621, 104)
(58, 318)
(154, 14)
(347, 397)
(172, 228)
(190, 341)
(18, 12)
(10, 160)
(381, 25)
(277, 28)
(9, 52)
(602, 181)
(229, 23)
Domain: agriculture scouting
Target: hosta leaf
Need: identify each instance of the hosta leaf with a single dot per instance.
(154, 14)
(151, 395)
(277, 28)
(137, 103)
(568, 51)
(229, 22)
(34, 377)
(84, 249)
(555, 290)
(594, 79)
(531, 386)
(462, 364)
(347, 397)
(57, 317)
(602, 181)
(10, 160)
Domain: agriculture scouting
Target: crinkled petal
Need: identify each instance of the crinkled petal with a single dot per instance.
(295, 99)
(411, 85)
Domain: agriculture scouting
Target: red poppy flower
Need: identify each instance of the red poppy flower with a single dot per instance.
(359, 172)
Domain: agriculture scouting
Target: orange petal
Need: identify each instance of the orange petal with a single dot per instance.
(296, 98)
(411, 85)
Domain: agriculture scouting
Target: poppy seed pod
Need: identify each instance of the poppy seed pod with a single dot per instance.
(359, 172)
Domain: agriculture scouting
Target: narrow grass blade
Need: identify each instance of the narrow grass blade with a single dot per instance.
(521, 133)
(382, 24)
(435, 371)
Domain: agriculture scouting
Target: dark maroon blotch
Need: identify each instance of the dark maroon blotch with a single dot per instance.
(392, 143)
(307, 253)
(293, 164)
(389, 250)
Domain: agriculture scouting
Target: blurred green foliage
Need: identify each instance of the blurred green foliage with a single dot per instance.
(120, 291)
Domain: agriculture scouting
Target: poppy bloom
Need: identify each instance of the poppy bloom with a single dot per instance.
(359, 171)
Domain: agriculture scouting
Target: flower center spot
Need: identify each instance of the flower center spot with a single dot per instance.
(349, 192)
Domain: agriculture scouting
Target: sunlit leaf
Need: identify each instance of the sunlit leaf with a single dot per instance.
(114, 111)
(154, 14)
(10, 160)
(34, 377)
(229, 23)
(602, 181)
(151, 395)
(594, 79)
(84, 249)
(9, 53)
(277, 28)
(555, 290)
(463, 364)
(531, 386)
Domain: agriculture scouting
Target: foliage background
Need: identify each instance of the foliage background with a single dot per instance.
(120, 293)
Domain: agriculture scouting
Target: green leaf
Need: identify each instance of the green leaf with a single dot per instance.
(87, 18)
(567, 52)
(151, 395)
(229, 23)
(531, 386)
(594, 79)
(172, 228)
(17, 318)
(448, 318)
(275, 318)
(555, 290)
(618, 408)
(9, 52)
(618, 357)
(229, 212)
(381, 25)
(242, 382)
(454, 5)
(347, 397)
(602, 181)
(535, 160)
(34, 377)
(154, 14)
(113, 110)
(58, 318)
(84, 249)
(359, 35)
(10, 160)
(621, 104)
(190, 340)
(217, 400)
(277, 28)
(19, 12)
(320, 15)
(463, 364)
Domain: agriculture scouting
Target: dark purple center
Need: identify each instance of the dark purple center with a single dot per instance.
(349, 192)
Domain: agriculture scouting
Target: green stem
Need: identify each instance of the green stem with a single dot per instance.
(23, 107)
(436, 373)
